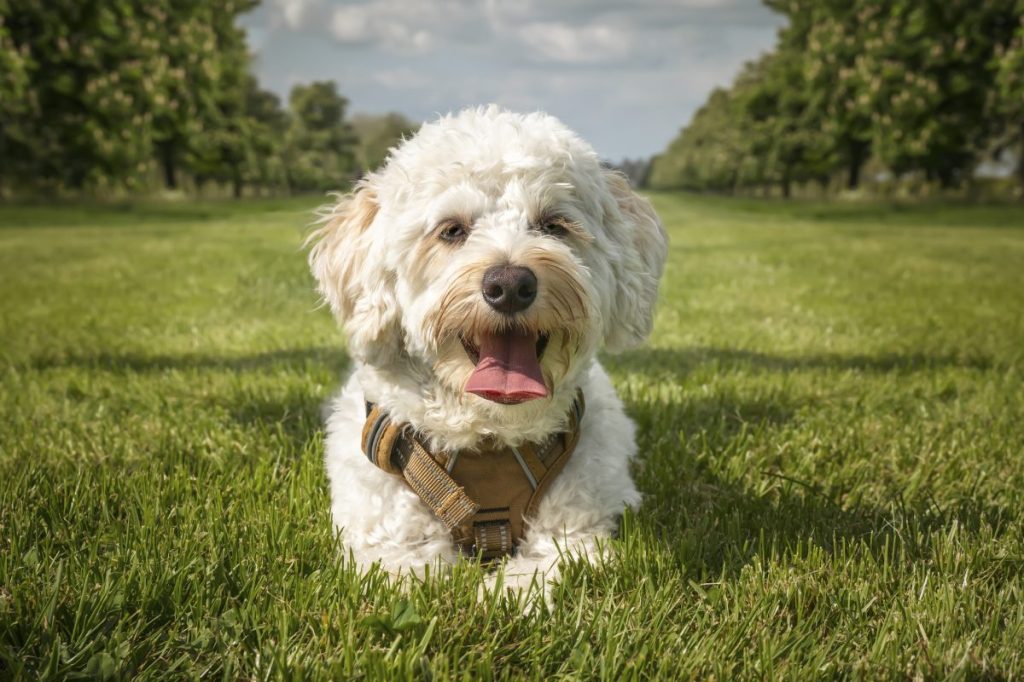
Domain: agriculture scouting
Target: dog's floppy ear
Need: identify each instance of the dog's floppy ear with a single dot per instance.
(361, 298)
(643, 247)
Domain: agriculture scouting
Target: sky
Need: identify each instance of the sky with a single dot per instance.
(626, 74)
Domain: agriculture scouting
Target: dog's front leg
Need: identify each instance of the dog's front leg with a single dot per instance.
(534, 570)
(395, 531)
(380, 520)
(581, 510)
(575, 522)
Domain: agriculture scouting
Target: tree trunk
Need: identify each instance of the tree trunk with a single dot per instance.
(236, 186)
(947, 178)
(1020, 162)
(169, 166)
(786, 185)
(857, 157)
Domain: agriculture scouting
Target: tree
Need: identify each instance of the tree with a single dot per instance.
(226, 146)
(268, 125)
(186, 76)
(782, 129)
(203, 124)
(760, 132)
(928, 79)
(122, 83)
(319, 146)
(16, 102)
(707, 153)
(1007, 103)
(90, 69)
(376, 135)
(826, 36)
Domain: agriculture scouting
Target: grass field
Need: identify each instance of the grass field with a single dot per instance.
(831, 436)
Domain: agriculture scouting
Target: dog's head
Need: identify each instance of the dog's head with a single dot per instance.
(493, 253)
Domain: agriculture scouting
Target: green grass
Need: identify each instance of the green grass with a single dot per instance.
(832, 457)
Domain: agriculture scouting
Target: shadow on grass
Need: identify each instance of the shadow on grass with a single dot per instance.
(297, 417)
(719, 526)
(716, 517)
(680, 362)
(291, 358)
(290, 413)
(97, 214)
(101, 216)
(656, 362)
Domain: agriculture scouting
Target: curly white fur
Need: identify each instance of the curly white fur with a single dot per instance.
(404, 296)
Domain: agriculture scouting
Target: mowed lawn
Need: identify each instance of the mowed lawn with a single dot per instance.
(831, 417)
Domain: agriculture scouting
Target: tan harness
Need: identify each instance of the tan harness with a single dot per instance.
(483, 496)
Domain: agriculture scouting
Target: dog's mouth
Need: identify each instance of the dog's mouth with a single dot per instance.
(507, 366)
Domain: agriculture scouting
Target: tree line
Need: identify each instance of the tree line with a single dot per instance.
(132, 95)
(922, 88)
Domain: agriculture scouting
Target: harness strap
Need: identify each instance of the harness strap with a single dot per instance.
(446, 498)
(438, 490)
(569, 440)
(511, 481)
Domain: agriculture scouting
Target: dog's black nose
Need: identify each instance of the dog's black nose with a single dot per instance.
(509, 288)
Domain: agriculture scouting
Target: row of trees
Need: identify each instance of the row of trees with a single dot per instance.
(132, 94)
(926, 87)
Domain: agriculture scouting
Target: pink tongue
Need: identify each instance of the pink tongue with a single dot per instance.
(508, 370)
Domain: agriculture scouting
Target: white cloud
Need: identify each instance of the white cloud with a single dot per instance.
(559, 42)
(378, 23)
(350, 24)
(296, 13)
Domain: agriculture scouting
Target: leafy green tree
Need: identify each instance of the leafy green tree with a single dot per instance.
(927, 80)
(319, 146)
(1008, 94)
(920, 85)
(90, 68)
(122, 84)
(782, 130)
(765, 130)
(186, 74)
(905, 80)
(226, 147)
(268, 125)
(378, 134)
(16, 101)
(760, 132)
(827, 37)
(708, 154)
(202, 123)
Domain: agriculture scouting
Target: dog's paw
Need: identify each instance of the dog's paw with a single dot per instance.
(524, 583)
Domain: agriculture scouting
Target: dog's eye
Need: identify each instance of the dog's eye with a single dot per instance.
(453, 231)
(555, 226)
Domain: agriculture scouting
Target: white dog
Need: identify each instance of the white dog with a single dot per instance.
(476, 276)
